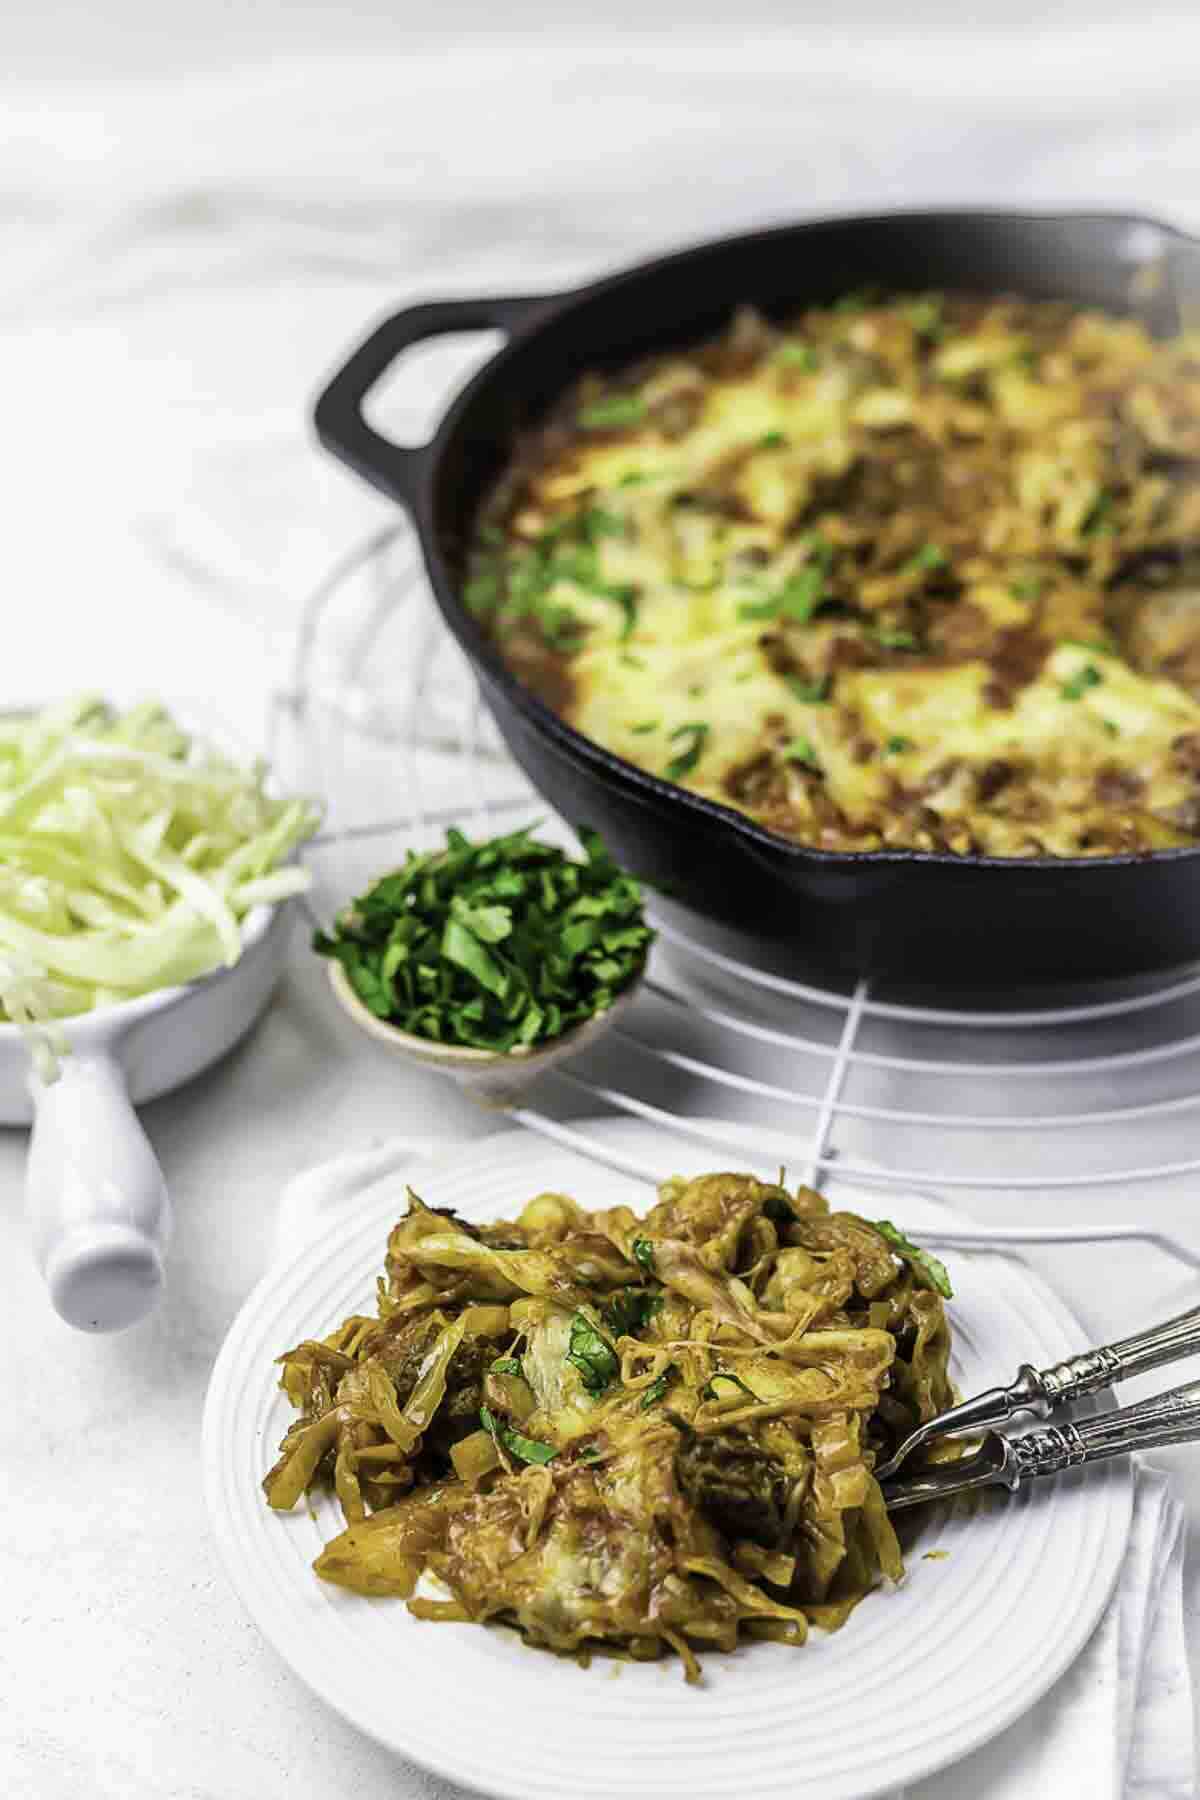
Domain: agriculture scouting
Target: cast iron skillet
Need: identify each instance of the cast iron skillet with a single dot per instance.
(918, 915)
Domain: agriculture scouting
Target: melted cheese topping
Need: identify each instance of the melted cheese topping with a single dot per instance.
(861, 579)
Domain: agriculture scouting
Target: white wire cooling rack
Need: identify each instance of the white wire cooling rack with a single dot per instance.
(1044, 1111)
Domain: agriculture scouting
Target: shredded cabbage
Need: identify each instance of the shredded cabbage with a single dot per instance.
(130, 854)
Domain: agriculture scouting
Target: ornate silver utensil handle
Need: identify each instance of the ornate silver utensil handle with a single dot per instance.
(1170, 1418)
(1043, 1391)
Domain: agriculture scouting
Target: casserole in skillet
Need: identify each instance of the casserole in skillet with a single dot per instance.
(920, 906)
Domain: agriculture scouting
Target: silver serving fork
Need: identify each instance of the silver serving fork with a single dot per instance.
(1043, 1391)
(1171, 1418)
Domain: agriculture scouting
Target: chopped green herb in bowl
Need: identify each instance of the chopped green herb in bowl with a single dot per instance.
(500, 947)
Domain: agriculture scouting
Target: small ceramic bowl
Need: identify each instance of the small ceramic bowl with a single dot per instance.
(495, 1078)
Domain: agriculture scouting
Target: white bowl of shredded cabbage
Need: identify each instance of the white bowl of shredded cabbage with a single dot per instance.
(143, 924)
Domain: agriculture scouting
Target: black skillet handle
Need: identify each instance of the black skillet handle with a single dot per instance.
(396, 469)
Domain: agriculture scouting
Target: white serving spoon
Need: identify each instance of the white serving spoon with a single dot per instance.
(496, 1078)
(100, 1217)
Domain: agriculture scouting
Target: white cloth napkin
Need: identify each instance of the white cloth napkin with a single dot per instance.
(1117, 1726)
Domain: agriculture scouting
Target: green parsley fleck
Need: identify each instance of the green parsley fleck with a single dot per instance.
(1104, 645)
(774, 440)
(1112, 729)
(799, 750)
(1098, 518)
(626, 1311)
(631, 661)
(689, 756)
(709, 1390)
(643, 1254)
(797, 356)
(645, 726)
(592, 1354)
(1087, 677)
(1026, 587)
(612, 412)
(894, 639)
(654, 1393)
(507, 1365)
(925, 316)
(928, 1270)
(802, 594)
(929, 556)
(493, 944)
(759, 609)
(528, 1450)
(895, 746)
(857, 301)
(598, 522)
(813, 693)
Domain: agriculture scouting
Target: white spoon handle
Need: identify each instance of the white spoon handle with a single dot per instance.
(99, 1214)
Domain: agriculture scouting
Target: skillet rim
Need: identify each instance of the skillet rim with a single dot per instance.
(639, 784)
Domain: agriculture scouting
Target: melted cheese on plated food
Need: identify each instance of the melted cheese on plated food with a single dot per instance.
(877, 579)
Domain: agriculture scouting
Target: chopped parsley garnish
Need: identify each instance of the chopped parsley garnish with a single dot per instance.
(1112, 729)
(627, 599)
(483, 592)
(759, 609)
(683, 764)
(813, 693)
(925, 317)
(626, 1311)
(507, 1365)
(1098, 517)
(612, 412)
(592, 1354)
(1087, 677)
(797, 356)
(929, 1270)
(799, 750)
(528, 1450)
(493, 944)
(896, 745)
(631, 661)
(801, 594)
(894, 639)
(643, 1254)
(709, 1390)
(657, 1388)
(929, 556)
(696, 689)
(645, 726)
(857, 301)
(1104, 645)
(598, 522)
(520, 585)
(774, 440)
(632, 478)
(1026, 587)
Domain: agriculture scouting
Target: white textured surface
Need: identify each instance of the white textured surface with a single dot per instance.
(181, 263)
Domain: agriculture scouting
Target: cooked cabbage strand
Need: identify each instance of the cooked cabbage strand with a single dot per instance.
(129, 856)
(652, 1435)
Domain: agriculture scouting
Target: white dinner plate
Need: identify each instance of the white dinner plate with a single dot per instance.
(920, 1675)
